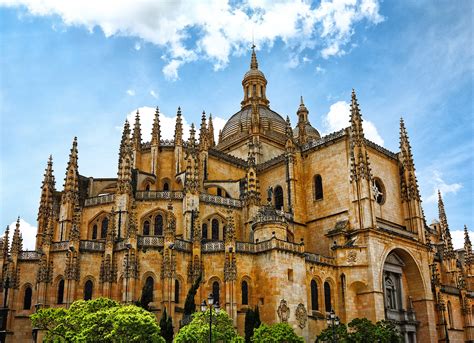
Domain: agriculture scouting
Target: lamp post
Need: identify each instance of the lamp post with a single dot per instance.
(127, 270)
(210, 305)
(333, 321)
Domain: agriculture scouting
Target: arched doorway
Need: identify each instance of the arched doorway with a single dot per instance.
(406, 299)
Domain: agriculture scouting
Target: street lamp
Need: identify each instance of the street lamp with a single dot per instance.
(127, 270)
(210, 305)
(333, 321)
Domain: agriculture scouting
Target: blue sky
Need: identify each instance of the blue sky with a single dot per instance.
(68, 69)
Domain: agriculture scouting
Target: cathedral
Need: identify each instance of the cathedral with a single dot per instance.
(269, 215)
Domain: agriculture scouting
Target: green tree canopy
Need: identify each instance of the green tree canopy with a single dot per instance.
(276, 333)
(99, 320)
(198, 329)
(362, 330)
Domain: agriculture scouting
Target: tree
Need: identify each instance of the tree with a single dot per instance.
(362, 330)
(281, 332)
(99, 320)
(198, 329)
(166, 326)
(189, 304)
(252, 321)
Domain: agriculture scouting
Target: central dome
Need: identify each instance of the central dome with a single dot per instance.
(241, 122)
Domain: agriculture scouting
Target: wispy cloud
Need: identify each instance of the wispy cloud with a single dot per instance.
(438, 183)
(131, 92)
(153, 94)
(338, 118)
(137, 46)
(225, 27)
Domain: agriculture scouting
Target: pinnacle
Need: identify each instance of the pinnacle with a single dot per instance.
(253, 61)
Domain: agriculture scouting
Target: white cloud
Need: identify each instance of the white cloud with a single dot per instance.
(131, 92)
(338, 118)
(438, 183)
(458, 238)
(320, 70)
(167, 124)
(28, 233)
(153, 94)
(137, 46)
(225, 27)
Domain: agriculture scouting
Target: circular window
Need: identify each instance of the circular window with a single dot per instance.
(378, 191)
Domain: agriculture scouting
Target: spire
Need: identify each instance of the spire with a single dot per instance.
(210, 132)
(47, 190)
(288, 129)
(445, 233)
(156, 130)
(253, 60)
(124, 173)
(203, 137)
(71, 182)
(17, 240)
(137, 133)
(178, 131)
(6, 241)
(356, 121)
(405, 148)
(409, 183)
(192, 138)
(302, 112)
(467, 241)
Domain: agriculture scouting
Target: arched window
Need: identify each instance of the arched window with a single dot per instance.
(318, 187)
(278, 196)
(94, 232)
(147, 187)
(215, 229)
(149, 288)
(450, 315)
(105, 225)
(254, 90)
(327, 297)
(219, 192)
(176, 291)
(158, 225)
(146, 228)
(27, 298)
(61, 291)
(204, 231)
(314, 296)
(378, 191)
(245, 293)
(215, 292)
(88, 287)
(166, 186)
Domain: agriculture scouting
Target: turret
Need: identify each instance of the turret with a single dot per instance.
(137, 141)
(254, 84)
(46, 203)
(70, 196)
(210, 132)
(155, 142)
(360, 173)
(302, 121)
(409, 186)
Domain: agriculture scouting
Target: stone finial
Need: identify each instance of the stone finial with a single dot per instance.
(178, 130)
(468, 257)
(356, 130)
(448, 249)
(17, 240)
(210, 132)
(203, 136)
(124, 173)
(71, 182)
(48, 188)
(156, 129)
(137, 133)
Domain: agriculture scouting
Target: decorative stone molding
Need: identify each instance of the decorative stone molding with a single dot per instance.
(283, 311)
(301, 315)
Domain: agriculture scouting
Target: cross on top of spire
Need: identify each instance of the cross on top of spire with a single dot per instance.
(253, 61)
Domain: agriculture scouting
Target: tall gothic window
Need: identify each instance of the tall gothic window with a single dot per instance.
(147, 187)
(94, 231)
(318, 187)
(146, 228)
(105, 225)
(27, 298)
(166, 186)
(245, 293)
(61, 291)
(314, 296)
(204, 231)
(176, 291)
(278, 197)
(327, 297)
(215, 292)
(88, 287)
(158, 225)
(215, 229)
(149, 287)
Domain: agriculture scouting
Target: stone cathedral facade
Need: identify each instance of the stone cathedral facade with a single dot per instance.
(269, 215)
